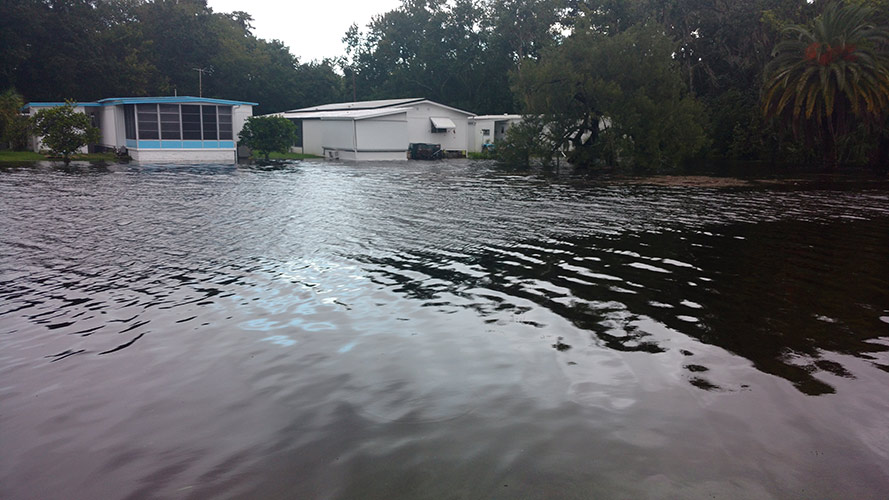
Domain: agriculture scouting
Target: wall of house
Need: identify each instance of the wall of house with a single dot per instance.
(111, 126)
(240, 113)
(383, 134)
(337, 135)
(476, 136)
(497, 129)
(420, 127)
(313, 137)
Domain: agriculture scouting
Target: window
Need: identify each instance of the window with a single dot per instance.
(129, 120)
(225, 122)
(175, 122)
(208, 113)
(486, 132)
(146, 115)
(170, 127)
(191, 122)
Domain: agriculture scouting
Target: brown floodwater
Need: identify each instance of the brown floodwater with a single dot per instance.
(439, 330)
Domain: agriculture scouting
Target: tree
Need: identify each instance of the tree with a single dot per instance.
(13, 125)
(615, 99)
(64, 130)
(830, 75)
(267, 134)
(525, 140)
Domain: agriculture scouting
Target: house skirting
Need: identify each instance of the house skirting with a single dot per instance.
(184, 155)
(349, 154)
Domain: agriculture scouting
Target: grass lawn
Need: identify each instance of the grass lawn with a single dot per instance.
(288, 156)
(12, 156)
(6, 155)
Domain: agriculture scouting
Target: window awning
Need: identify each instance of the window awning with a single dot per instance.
(443, 123)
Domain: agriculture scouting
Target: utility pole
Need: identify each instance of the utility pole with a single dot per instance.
(201, 72)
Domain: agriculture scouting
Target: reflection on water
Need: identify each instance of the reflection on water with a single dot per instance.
(429, 330)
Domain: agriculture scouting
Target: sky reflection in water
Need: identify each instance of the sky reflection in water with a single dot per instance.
(437, 329)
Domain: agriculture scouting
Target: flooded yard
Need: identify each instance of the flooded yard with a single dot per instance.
(439, 330)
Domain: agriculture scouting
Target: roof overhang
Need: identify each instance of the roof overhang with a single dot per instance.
(115, 101)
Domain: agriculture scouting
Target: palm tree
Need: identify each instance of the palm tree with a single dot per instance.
(829, 76)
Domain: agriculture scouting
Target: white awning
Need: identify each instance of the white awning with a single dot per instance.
(444, 123)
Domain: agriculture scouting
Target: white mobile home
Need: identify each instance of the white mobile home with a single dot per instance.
(177, 128)
(379, 130)
(489, 129)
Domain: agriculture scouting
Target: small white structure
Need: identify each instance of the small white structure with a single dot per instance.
(379, 130)
(164, 129)
(485, 130)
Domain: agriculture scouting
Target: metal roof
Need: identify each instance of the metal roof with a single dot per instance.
(342, 106)
(379, 104)
(54, 104)
(496, 117)
(345, 114)
(114, 101)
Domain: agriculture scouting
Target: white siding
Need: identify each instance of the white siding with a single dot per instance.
(338, 134)
(312, 137)
(478, 138)
(384, 134)
(420, 127)
(240, 113)
(112, 126)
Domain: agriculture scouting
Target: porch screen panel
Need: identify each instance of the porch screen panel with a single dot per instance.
(209, 117)
(225, 123)
(169, 114)
(147, 117)
(191, 122)
(129, 120)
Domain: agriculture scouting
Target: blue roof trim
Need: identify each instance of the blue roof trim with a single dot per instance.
(115, 101)
(112, 101)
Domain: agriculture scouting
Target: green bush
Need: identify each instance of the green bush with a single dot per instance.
(268, 134)
(64, 130)
(13, 125)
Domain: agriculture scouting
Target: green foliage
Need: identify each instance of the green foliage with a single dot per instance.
(64, 130)
(13, 125)
(267, 134)
(94, 50)
(524, 141)
(829, 77)
(462, 53)
(615, 99)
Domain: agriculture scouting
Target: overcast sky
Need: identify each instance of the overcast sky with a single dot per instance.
(313, 29)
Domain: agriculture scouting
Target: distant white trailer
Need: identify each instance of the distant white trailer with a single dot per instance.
(485, 130)
(379, 130)
(164, 129)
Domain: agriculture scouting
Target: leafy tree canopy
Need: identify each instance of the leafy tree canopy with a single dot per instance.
(830, 77)
(615, 99)
(267, 134)
(13, 125)
(64, 130)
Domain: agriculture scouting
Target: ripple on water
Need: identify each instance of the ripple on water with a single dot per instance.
(320, 329)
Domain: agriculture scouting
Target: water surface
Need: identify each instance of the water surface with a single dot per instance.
(438, 330)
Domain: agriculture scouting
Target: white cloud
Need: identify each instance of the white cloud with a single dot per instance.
(312, 29)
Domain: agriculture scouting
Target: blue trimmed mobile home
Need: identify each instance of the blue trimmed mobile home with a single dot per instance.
(162, 129)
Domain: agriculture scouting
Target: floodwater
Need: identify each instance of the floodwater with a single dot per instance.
(438, 330)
